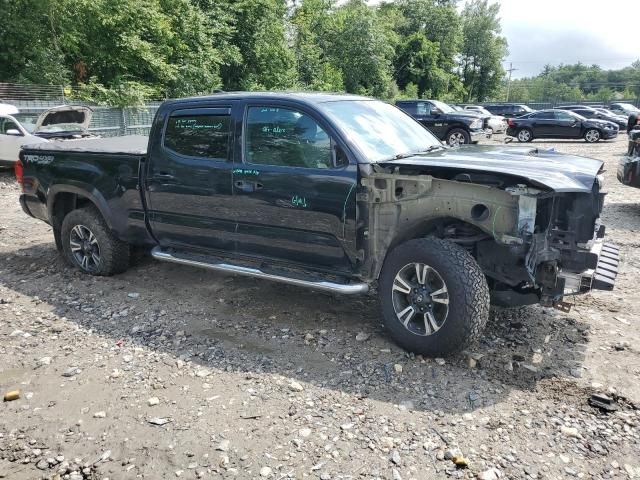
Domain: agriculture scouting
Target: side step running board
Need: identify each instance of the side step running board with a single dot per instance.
(347, 289)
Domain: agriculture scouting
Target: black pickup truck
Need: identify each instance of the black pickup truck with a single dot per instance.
(449, 125)
(337, 193)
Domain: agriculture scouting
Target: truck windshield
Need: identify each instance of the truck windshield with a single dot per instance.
(379, 130)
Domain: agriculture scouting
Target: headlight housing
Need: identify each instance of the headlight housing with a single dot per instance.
(476, 124)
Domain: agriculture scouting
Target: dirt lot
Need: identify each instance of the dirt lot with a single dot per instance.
(169, 371)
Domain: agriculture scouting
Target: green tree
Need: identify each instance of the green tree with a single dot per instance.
(483, 49)
(311, 30)
(265, 59)
(359, 47)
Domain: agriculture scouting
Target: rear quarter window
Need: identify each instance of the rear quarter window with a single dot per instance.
(205, 136)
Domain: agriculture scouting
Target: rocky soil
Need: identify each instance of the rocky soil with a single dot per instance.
(168, 371)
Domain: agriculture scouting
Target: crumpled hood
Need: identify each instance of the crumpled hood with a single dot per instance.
(547, 168)
(74, 117)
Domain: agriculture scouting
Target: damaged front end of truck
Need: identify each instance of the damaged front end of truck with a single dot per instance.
(530, 218)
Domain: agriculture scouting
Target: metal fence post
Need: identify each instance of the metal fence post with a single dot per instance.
(124, 120)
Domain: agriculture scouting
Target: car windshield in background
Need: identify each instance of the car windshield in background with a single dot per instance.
(379, 130)
(526, 108)
(28, 121)
(444, 108)
(576, 115)
(628, 107)
(481, 110)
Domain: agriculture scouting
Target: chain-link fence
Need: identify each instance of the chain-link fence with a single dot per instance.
(32, 100)
(106, 121)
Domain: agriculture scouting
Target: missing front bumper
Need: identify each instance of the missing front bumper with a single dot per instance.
(602, 277)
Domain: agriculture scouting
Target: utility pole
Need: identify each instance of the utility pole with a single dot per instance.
(510, 69)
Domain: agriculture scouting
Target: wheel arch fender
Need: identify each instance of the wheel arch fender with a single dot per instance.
(81, 190)
(422, 228)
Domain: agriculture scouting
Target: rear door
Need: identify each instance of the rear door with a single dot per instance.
(544, 124)
(294, 189)
(189, 194)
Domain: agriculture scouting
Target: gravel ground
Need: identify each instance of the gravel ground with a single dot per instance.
(168, 371)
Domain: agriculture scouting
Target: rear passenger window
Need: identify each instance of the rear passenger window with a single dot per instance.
(204, 136)
(281, 136)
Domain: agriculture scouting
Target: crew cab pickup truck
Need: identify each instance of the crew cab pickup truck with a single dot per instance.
(449, 125)
(333, 192)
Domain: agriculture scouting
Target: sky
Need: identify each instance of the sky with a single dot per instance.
(605, 32)
(569, 31)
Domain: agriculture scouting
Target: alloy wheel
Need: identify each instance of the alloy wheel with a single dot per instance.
(85, 248)
(592, 136)
(524, 135)
(420, 299)
(456, 139)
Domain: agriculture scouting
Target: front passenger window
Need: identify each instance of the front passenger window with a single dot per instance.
(281, 136)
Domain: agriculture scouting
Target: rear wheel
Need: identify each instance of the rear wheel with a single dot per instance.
(89, 245)
(458, 136)
(434, 297)
(592, 135)
(525, 135)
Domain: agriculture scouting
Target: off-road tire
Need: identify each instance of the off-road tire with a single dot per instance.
(592, 135)
(460, 133)
(468, 296)
(114, 253)
(524, 138)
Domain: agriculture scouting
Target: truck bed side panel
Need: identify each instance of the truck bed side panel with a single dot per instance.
(109, 180)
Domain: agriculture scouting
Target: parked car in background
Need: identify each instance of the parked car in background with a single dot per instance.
(64, 122)
(449, 125)
(457, 108)
(590, 112)
(509, 110)
(496, 123)
(560, 124)
(13, 135)
(629, 167)
(625, 109)
(332, 192)
(59, 123)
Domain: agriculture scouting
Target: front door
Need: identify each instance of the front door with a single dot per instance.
(189, 193)
(568, 125)
(294, 190)
(9, 144)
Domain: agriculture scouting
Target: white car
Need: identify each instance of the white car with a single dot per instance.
(13, 135)
(58, 123)
(496, 123)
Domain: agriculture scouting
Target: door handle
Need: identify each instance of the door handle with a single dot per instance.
(247, 186)
(163, 176)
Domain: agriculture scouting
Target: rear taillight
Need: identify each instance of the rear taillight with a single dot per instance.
(19, 169)
(510, 122)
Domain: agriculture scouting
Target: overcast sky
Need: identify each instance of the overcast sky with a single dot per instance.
(554, 31)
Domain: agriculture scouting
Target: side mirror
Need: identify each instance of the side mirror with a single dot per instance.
(14, 131)
(435, 111)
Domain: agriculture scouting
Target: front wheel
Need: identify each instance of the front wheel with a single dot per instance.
(458, 136)
(592, 135)
(433, 296)
(89, 245)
